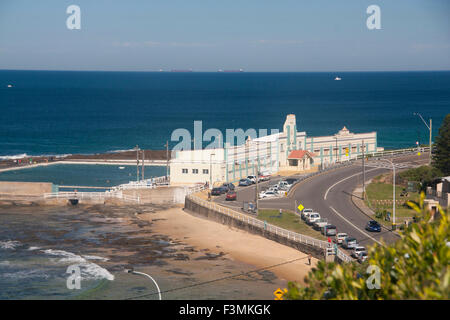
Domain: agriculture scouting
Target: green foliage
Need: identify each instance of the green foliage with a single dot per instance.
(415, 267)
(424, 174)
(441, 153)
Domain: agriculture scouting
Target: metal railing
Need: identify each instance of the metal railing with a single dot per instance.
(290, 235)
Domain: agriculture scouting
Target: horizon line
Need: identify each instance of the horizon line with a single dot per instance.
(225, 71)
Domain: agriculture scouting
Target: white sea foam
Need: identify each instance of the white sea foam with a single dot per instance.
(14, 157)
(95, 258)
(89, 270)
(25, 155)
(25, 274)
(119, 151)
(33, 248)
(9, 244)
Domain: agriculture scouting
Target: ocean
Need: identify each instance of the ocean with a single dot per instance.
(59, 112)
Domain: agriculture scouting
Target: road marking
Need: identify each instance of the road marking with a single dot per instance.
(363, 232)
(326, 193)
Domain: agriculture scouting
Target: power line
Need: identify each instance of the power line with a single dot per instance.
(216, 280)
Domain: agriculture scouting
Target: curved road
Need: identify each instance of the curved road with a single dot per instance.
(330, 195)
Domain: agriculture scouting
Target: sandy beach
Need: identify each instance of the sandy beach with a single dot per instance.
(237, 244)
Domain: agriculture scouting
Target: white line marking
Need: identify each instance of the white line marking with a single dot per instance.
(364, 233)
(326, 193)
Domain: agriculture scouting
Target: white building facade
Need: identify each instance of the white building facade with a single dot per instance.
(270, 154)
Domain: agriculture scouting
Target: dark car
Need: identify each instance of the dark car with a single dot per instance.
(244, 183)
(228, 186)
(373, 226)
(290, 180)
(216, 191)
(231, 195)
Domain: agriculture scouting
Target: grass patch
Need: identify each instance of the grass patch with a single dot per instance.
(289, 221)
(383, 191)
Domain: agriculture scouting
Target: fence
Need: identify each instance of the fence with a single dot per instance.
(267, 227)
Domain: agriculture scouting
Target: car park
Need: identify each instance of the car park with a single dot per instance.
(340, 237)
(349, 243)
(244, 183)
(313, 217)
(357, 250)
(329, 230)
(231, 195)
(373, 226)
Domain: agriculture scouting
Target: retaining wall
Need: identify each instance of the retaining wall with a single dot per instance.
(212, 214)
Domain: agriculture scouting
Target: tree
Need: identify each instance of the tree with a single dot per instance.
(415, 267)
(441, 154)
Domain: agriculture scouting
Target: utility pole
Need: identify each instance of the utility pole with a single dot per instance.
(337, 150)
(143, 160)
(137, 163)
(364, 171)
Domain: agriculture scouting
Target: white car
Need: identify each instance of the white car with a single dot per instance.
(252, 179)
(357, 250)
(340, 237)
(306, 212)
(267, 194)
(312, 217)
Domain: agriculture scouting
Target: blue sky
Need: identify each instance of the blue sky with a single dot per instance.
(206, 35)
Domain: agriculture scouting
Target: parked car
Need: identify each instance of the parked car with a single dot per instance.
(357, 250)
(373, 226)
(362, 257)
(318, 224)
(252, 179)
(244, 183)
(268, 194)
(216, 191)
(291, 181)
(229, 186)
(329, 230)
(306, 212)
(313, 217)
(340, 237)
(349, 243)
(264, 177)
(231, 195)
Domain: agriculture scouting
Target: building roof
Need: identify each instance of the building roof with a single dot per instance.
(299, 154)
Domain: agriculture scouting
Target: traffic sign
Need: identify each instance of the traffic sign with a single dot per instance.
(300, 207)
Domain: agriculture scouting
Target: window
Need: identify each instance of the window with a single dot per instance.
(195, 171)
(205, 171)
(184, 170)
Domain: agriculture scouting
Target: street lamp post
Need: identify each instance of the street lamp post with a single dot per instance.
(137, 162)
(429, 128)
(146, 275)
(210, 169)
(393, 191)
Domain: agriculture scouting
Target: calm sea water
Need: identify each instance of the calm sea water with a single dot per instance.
(91, 112)
(81, 175)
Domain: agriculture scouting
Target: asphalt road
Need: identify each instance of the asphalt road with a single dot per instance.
(330, 195)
